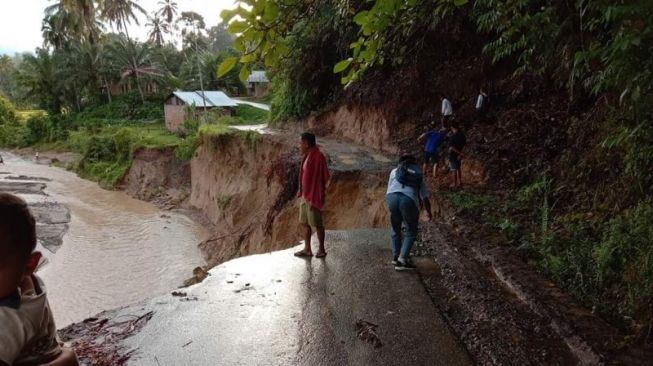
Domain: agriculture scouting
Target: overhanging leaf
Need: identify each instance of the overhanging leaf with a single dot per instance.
(237, 27)
(226, 66)
(361, 18)
(227, 14)
(244, 74)
(341, 66)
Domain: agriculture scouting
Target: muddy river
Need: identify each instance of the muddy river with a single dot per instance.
(116, 251)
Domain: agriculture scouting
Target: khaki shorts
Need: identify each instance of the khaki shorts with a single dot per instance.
(309, 215)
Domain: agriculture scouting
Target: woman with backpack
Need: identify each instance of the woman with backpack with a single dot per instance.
(405, 195)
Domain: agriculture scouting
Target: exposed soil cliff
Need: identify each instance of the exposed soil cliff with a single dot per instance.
(247, 189)
(244, 187)
(158, 176)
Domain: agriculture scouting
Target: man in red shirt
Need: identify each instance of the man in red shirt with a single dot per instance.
(313, 179)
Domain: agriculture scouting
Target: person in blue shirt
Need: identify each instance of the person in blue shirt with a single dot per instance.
(431, 148)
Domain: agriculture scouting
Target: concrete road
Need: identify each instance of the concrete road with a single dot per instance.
(265, 107)
(275, 309)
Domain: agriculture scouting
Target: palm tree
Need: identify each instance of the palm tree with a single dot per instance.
(121, 13)
(168, 10)
(134, 61)
(81, 66)
(37, 76)
(159, 28)
(194, 24)
(53, 31)
(73, 18)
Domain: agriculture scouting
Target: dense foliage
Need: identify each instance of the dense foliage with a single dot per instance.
(7, 111)
(585, 221)
(81, 65)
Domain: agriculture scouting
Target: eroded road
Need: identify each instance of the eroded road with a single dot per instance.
(275, 309)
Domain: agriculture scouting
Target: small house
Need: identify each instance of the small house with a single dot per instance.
(257, 83)
(175, 105)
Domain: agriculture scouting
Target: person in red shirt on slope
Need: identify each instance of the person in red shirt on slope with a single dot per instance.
(313, 179)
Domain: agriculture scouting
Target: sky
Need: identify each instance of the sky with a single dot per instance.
(20, 22)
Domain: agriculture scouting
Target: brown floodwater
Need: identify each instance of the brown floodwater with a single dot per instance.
(117, 250)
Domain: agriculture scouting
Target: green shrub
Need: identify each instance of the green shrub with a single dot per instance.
(106, 173)
(7, 112)
(186, 148)
(624, 260)
(123, 142)
(100, 148)
(567, 256)
(37, 130)
(125, 107)
(41, 128)
(12, 135)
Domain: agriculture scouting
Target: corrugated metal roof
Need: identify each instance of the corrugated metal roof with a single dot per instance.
(218, 98)
(213, 98)
(257, 76)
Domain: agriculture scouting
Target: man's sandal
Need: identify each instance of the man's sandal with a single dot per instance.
(302, 253)
(321, 255)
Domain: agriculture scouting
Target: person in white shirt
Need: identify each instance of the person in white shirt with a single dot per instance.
(482, 103)
(446, 110)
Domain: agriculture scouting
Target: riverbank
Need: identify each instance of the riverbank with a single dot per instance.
(104, 249)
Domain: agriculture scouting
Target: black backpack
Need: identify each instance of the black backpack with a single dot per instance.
(409, 174)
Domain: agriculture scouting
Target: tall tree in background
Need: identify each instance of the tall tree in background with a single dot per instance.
(7, 80)
(157, 30)
(192, 22)
(168, 10)
(219, 37)
(121, 13)
(194, 25)
(68, 19)
(133, 59)
(37, 75)
(52, 31)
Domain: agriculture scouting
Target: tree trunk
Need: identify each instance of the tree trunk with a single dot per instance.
(77, 100)
(199, 71)
(106, 84)
(138, 82)
(140, 90)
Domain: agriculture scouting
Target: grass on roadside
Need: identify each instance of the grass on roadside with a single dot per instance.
(24, 115)
(107, 151)
(250, 115)
(151, 135)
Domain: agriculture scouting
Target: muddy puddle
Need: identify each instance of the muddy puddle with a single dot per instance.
(105, 249)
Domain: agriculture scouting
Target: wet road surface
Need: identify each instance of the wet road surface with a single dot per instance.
(275, 309)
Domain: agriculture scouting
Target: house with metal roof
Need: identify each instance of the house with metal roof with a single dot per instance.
(257, 83)
(176, 103)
